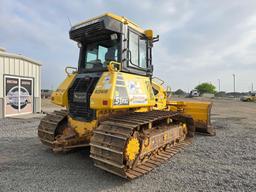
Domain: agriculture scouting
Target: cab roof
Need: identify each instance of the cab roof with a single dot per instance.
(121, 19)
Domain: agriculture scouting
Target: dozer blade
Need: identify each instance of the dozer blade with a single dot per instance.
(206, 130)
(200, 111)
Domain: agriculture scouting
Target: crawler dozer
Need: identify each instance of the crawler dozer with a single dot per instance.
(114, 105)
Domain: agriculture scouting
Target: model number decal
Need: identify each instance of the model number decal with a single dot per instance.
(121, 101)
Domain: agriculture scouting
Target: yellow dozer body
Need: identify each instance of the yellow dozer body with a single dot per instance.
(114, 105)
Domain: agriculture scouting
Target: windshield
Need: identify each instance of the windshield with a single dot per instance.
(98, 55)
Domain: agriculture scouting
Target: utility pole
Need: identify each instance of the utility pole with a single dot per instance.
(234, 82)
(219, 84)
(252, 87)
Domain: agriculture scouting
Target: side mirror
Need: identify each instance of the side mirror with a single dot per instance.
(155, 39)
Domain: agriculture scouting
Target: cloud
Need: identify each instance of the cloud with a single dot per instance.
(199, 40)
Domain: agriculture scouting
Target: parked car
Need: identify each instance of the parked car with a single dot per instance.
(249, 98)
(194, 93)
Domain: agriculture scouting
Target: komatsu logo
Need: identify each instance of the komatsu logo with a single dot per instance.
(79, 97)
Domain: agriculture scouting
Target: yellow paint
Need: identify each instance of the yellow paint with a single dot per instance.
(198, 110)
(167, 136)
(108, 97)
(114, 66)
(149, 34)
(132, 148)
(107, 93)
(143, 109)
(160, 97)
(184, 130)
(121, 19)
(60, 96)
(83, 129)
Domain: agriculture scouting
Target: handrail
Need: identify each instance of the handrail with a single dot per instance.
(161, 81)
(164, 84)
(112, 66)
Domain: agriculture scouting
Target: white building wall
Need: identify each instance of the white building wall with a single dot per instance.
(1, 76)
(18, 65)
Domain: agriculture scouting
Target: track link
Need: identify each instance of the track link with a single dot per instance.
(48, 126)
(110, 139)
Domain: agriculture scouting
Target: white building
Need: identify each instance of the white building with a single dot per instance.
(20, 85)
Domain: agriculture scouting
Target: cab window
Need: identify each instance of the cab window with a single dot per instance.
(97, 55)
(138, 51)
(143, 53)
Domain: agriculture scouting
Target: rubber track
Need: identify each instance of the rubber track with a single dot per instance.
(48, 126)
(110, 138)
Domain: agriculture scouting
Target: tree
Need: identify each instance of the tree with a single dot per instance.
(206, 88)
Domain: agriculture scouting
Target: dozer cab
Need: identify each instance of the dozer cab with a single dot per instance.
(115, 106)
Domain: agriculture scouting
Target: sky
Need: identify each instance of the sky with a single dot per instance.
(200, 41)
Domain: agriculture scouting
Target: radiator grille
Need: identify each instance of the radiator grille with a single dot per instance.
(79, 98)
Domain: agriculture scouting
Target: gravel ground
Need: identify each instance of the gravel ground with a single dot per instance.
(226, 162)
